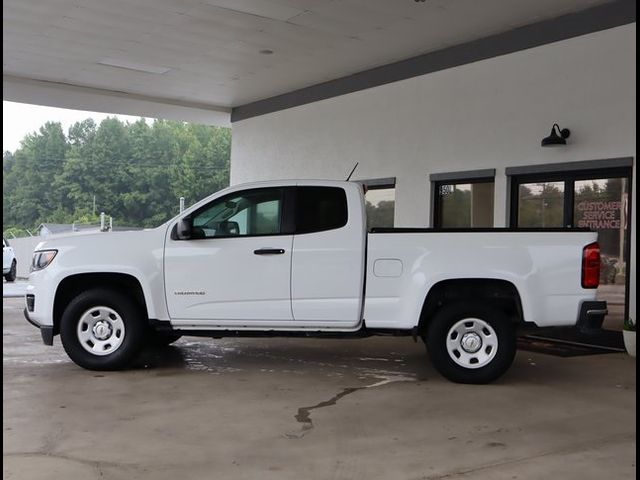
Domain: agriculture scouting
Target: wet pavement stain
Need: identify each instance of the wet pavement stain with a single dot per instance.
(304, 413)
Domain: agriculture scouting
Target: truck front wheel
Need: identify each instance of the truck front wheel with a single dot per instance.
(471, 343)
(102, 329)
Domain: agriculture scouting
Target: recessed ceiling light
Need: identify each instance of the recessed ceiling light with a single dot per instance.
(266, 51)
(139, 67)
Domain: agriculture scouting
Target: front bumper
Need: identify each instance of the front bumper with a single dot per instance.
(45, 330)
(591, 316)
(39, 298)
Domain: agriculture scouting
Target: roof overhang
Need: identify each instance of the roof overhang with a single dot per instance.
(601, 17)
(216, 61)
(62, 95)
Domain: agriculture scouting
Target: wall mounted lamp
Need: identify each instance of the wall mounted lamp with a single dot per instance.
(557, 137)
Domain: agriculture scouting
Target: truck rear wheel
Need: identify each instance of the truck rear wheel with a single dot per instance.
(102, 329)
(471, 343)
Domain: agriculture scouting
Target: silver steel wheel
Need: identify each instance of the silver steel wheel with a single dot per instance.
(472, 343)
(100, 330)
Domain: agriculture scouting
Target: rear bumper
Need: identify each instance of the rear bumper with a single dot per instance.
(45, 330)
(591, 316)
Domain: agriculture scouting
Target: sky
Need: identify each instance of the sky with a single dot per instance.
(19, 119)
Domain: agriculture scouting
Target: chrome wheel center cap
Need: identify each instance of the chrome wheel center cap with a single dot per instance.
(471, 342)
(102, 330)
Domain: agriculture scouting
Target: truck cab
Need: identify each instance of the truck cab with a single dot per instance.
(291, 256)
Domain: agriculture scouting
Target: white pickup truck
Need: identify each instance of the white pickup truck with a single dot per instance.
(294, 258)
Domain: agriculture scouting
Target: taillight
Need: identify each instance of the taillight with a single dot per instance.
(591, 266)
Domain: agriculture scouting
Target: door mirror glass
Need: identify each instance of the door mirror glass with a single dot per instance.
(227, 228)
(184, 228)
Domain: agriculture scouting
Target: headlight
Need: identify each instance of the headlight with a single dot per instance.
(42, 259)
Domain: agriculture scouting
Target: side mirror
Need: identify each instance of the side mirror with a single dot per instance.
(228, 228)
(183, 228)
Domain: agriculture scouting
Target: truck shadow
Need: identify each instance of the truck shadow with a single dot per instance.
(159, 357)
(331, 358)
(297, 356)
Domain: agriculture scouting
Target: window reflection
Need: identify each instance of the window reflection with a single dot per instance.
(541, 205)
(465, 205)
(380, 206)
(602, 205)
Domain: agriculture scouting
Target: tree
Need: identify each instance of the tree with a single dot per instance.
(380, 214)
(28, 187)
(135, 171)
(204, 165)
(541, 205)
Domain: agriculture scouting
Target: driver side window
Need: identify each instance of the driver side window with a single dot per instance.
(248, 213)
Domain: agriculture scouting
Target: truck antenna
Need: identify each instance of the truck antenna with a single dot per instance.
(353, 170)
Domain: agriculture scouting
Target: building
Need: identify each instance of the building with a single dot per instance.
(46, 229)
(461, 145)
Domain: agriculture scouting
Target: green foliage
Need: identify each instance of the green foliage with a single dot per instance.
(542, 206)
(135, 171)
(456, 209)
(380, 215)
(14, 232)
(629, 325)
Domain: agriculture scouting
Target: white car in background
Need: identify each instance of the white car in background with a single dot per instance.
(9, 263)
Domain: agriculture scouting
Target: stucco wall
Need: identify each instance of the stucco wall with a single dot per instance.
(489, 114)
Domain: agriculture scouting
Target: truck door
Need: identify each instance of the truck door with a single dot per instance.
(235, 270)
(327, 271)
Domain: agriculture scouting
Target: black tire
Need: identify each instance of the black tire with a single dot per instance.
(11, 276)
(498, 361)
(131, 316)
(156, 339)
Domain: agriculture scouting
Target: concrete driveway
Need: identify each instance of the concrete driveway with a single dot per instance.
(309, 409)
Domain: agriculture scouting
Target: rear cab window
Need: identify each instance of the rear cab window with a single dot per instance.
(319, 209)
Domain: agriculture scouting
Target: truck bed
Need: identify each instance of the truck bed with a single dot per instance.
(545, 267)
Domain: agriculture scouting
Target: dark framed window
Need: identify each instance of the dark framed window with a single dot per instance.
(549, 200)
(463, 203)
(320, 208)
